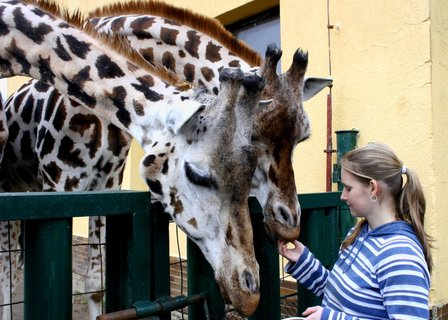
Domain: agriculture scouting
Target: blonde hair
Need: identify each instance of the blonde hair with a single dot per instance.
(378, 161)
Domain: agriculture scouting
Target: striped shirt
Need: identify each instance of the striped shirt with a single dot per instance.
(382, 275)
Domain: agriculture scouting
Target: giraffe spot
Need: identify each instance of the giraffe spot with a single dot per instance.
(229, 234)
(154, 185)
(234, 64)
(59, 117)
(189, 72)
(71, 183)
(208, 73)
(165, 167)
(80, 123)
(25, 146)
(27, 110)
(168, 61)
(107, 68)
(273, 176)
(138, 108)
(139, 26)
(75, 85)
(41, 86)
(37, 34)
(53, 171)
(46, 140)
(192, 222)
(117, 96)
(172, 149)
(117, 24)
(182, 54)
(148, 54)
(78, 48)
(117, 140)
(20, 56)
(143, 87)
(149, 160)
(69, 154)
(212, 52)
(46, 75)
(175, 202)
(123, 116)
(193, 43)
(61, 52)
(110, 183)
(168, 35)
(171, 22)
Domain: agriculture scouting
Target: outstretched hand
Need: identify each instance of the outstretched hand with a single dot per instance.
(292, 254)
(313, 313)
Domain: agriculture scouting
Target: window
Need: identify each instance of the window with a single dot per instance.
(259, 31)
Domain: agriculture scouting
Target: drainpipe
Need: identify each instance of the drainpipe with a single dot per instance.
(329, 151)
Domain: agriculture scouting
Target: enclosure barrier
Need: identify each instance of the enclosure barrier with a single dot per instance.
(137, 252)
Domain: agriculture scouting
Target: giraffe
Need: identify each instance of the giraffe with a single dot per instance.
(198, 156)
(196, 47)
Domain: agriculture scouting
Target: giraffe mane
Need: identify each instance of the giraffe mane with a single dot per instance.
(209, 26)
(117, 43)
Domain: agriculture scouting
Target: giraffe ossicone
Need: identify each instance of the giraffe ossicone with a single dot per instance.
(198, 157)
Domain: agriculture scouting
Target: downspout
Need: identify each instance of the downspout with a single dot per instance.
(329, 150)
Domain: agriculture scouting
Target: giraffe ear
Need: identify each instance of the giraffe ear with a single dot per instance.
(314, 85)
(179, 120)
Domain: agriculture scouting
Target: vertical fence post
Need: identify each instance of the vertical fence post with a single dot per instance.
(268, 260)
(346, 141)
(201, 279)
(48, 269)
(160, 255)
(128, 264)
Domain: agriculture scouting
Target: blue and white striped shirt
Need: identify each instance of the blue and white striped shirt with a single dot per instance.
(382, 275)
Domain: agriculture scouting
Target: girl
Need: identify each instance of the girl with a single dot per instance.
(383, 270)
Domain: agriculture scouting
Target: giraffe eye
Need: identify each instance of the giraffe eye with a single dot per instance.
(199, 178)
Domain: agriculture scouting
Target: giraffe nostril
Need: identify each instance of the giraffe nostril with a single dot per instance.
(284, 215)
(249, 281)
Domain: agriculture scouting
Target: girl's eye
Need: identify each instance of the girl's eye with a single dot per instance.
(198, 178)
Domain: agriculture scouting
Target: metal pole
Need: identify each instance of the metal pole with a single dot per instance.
(48, 269)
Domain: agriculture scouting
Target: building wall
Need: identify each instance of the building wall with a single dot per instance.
(388, 61)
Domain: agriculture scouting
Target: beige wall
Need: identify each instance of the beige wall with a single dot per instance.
(390, 73)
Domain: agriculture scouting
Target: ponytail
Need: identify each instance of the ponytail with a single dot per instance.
(411, 208)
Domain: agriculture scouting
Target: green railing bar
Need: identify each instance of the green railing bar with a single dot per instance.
(53, 205)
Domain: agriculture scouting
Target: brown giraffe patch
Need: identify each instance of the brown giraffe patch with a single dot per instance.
(138, 108)
(208, 73)
(168, 35)
(189, 72)
(175, 202)
(148, 54)
(141, 24)
(212, 52)
(117, 24)
(193, 223)
(169, 61)
(192, 45)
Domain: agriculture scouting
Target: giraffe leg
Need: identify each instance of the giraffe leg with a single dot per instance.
(95, 268)
(9, 238)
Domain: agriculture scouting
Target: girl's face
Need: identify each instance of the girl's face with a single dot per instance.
(356, 194)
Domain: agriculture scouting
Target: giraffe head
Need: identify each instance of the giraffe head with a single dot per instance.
(202, 176)
(277, 130)
(195, 47)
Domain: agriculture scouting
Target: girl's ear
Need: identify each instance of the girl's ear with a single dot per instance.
(374, 187)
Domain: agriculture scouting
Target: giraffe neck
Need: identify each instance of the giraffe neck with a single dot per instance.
(87, 68)
(196, 57)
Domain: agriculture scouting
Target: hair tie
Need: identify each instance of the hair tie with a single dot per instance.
(404, 170)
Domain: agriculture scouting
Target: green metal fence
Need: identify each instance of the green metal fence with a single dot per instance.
(137, 252)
